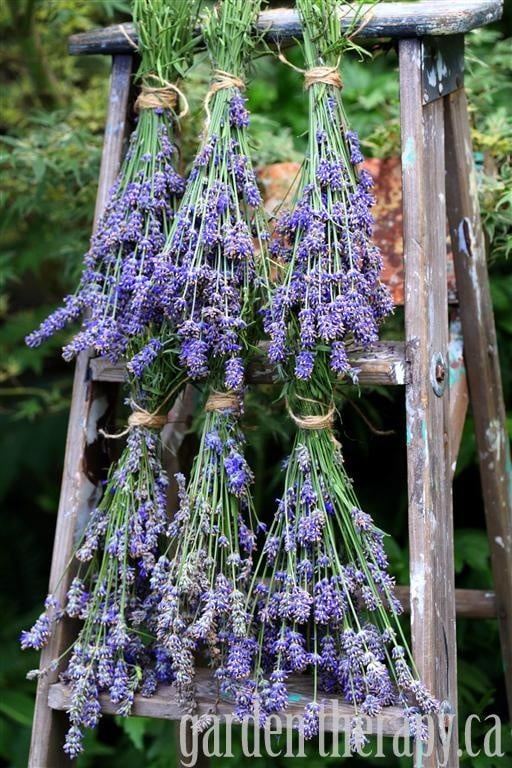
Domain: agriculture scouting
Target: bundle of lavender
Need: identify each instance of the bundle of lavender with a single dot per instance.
(119, 546)
(114, 297)
(113, 652)
(327, 603)
(210, 286)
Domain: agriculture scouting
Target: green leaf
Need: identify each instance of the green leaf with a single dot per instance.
(17, 706)
(471, 549)
(135, 728)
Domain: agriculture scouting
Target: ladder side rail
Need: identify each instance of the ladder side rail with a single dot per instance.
(78, 496)
(427, 413)
(482, 361)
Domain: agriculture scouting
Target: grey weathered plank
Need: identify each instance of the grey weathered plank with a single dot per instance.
(78, 493)
(428, 450)
(482, 362)
(469, 603)
(384, 364)
(164, 704)
(396, 20)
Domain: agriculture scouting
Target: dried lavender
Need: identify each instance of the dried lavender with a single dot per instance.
(214, 262)
(199, 584)
(327, 605)
(116, 556)
(114, 298)
(210, 287)
(329, 294)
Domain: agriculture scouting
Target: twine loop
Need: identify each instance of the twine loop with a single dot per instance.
(320, 74)
(221, 80)
(327, 75)
(220, 401)
(312, 421)
(139, 417)
(164, 95)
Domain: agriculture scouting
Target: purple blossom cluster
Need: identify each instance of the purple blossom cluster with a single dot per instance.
(329, 605)
(198, 585)
(110, 593)
(330, 294)
(212, 264)
(115, 295)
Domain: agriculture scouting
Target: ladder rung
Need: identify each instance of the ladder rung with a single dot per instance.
(164, 705)
(384, 364)
(386, 20)
(469, 603)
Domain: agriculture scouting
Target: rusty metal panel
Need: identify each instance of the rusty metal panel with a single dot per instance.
(442, 67)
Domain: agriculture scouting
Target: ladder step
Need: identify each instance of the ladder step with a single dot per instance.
(164, 705)
(469, 603)
(384, 364)
(279, 24)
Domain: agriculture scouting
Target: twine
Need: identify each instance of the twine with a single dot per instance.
(127, 36)
(164, 95)
(221, 80)
(321, 74)
(220, 401)
(139, 417)
(327, 75)
(319, 421)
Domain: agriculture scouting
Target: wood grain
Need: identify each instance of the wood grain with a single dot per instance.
(383, 364)
(164, 704)
(78, 494)
(428, 450)
(482, 361)
(395, 20)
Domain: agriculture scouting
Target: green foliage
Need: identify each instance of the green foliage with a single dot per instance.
(51, 127)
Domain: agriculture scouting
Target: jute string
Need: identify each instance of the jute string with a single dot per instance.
(139, 417)
(221, 80)
(315, 421)
(321, 74)
(219, 401)
(163, 95)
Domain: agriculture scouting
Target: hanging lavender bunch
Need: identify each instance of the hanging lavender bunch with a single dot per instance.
(114, 298)
(330, 294)
(211, 285)
(216, 250)
(327, 604)
(200, 582)
(114, 561)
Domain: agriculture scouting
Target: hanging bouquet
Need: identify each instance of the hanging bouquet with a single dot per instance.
(327, 604)
(209, 286)
(114, 299)
(113, 652)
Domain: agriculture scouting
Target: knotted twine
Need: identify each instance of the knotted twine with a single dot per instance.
(221, 80)
(220, 401)
(315, 421)
(320, 74)
(165, 96)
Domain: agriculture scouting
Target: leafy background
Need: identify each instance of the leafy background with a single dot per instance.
(51, 122)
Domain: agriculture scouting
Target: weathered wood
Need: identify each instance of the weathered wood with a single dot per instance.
(384, 364)
(164, 704)
(78, 494)
(482, 362)
(428, 450)
(458, 383)
(469, 603)
(395, 20)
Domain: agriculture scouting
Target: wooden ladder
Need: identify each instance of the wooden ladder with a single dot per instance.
(438, 181)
